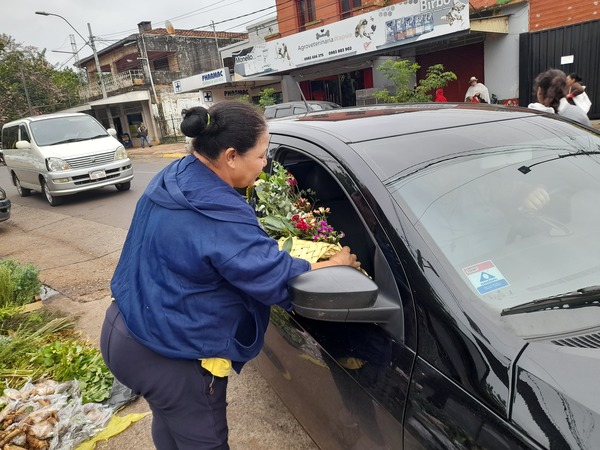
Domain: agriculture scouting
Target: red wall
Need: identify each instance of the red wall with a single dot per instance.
(465, 62)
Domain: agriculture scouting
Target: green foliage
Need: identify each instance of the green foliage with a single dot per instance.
(20, 337)
(29, 84)
(267, 98)
(244, 99)
(72, 360)
(19, 283)
(284, 210)
(402, 72)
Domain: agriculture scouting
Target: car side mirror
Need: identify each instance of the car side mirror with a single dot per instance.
(331, 293)
(112, 132)
(22, 144)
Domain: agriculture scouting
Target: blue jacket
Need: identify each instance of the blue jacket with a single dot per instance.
(197, 274)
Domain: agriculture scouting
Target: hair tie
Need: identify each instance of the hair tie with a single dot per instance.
(207, 119)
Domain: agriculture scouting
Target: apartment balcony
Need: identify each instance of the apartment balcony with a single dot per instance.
(120, 82)
(126, 82)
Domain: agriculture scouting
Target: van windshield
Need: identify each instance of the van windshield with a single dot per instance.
(60, 130)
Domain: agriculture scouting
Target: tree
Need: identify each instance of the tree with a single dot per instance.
(267, 98)
(402, 72)
(30, 85)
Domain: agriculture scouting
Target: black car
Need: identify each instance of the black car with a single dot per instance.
(478, 326)
(4, 206)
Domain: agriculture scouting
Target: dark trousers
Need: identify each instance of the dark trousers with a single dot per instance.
(188, 403)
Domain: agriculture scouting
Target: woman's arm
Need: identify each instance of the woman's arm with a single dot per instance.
(575, 90)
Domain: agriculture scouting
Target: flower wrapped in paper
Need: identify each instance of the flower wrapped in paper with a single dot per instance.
(287, 214)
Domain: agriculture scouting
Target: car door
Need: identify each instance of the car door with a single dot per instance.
(346, 383)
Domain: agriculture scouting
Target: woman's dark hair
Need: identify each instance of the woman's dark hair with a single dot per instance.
(575, 76)
(223, 125)
(553, 86)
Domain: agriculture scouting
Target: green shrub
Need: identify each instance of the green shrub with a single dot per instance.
(19, 283)
(74, 360)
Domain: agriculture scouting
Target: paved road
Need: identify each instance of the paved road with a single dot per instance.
(77, 253)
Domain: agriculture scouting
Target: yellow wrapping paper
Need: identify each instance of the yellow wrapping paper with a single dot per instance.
(116, 425)
(309, 250)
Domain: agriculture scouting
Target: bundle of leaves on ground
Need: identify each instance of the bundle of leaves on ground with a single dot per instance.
(40, 346)
(287, 214)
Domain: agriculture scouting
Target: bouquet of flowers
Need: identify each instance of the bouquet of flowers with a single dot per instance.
(287, 214)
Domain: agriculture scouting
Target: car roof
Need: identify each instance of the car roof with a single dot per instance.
(357, 124)
(43, 117)
(428, 130)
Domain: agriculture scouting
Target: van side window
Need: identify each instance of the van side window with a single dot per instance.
(10, 136)
(24, 133)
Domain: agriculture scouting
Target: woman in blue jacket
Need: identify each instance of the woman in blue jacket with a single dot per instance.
(196, 279)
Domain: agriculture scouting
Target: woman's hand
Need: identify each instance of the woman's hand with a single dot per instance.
(343, 258)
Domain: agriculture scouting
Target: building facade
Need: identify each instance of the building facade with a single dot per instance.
(326, 50)
(137, 78)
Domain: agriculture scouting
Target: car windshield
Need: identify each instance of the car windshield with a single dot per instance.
(513, 214)
(61, 130)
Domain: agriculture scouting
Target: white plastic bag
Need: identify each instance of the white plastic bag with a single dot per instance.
(583, 101)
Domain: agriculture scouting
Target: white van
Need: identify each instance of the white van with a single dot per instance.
(62, 154)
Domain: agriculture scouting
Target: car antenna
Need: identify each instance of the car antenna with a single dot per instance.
(303, 97)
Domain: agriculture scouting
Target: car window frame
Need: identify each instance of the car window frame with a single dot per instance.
(385, 278)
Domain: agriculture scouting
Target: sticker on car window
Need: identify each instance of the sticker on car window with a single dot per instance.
(485, 277)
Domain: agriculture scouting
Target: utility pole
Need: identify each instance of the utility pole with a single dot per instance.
(216, 44)
(26, 94)
(98, 67)
(148, 68)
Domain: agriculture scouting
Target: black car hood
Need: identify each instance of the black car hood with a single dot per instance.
(557, 398)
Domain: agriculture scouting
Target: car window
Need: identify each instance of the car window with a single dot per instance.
(496, 212)
(299, 109)
(283, 111)
(24, 133)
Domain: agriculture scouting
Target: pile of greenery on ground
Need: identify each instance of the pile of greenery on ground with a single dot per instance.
(40, 345)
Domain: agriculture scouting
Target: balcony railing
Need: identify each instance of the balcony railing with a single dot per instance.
(113, 83)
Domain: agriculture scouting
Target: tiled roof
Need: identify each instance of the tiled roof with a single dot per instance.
(198, 34)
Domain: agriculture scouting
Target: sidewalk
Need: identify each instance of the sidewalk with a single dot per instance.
(174, 151)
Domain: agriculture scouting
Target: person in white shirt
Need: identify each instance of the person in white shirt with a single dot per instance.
(477, 89)
(551, 91)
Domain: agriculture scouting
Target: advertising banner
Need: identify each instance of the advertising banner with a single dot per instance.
(387, 27)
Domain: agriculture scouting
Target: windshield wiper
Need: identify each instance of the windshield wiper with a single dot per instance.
(526, 169)
(66, 141)
(576, 299)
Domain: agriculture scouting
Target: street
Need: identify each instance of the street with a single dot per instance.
(76, 246)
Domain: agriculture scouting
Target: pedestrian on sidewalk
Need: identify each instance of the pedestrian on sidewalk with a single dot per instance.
(143, 134)
(196, 279)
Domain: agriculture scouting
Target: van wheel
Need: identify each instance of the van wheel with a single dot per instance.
(23, 192)
(123, 186)
(53, 200)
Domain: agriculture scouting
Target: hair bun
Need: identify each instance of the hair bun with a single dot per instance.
(195, 121)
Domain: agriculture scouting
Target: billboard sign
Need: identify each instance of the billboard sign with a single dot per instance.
(387, 27)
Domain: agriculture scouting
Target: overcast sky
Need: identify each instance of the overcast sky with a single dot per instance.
(112, 20)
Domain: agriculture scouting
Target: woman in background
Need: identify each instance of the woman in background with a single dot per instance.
(551, 91)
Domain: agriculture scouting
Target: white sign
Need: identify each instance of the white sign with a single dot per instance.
(387, 27)
(567, 59)
(202, 80)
